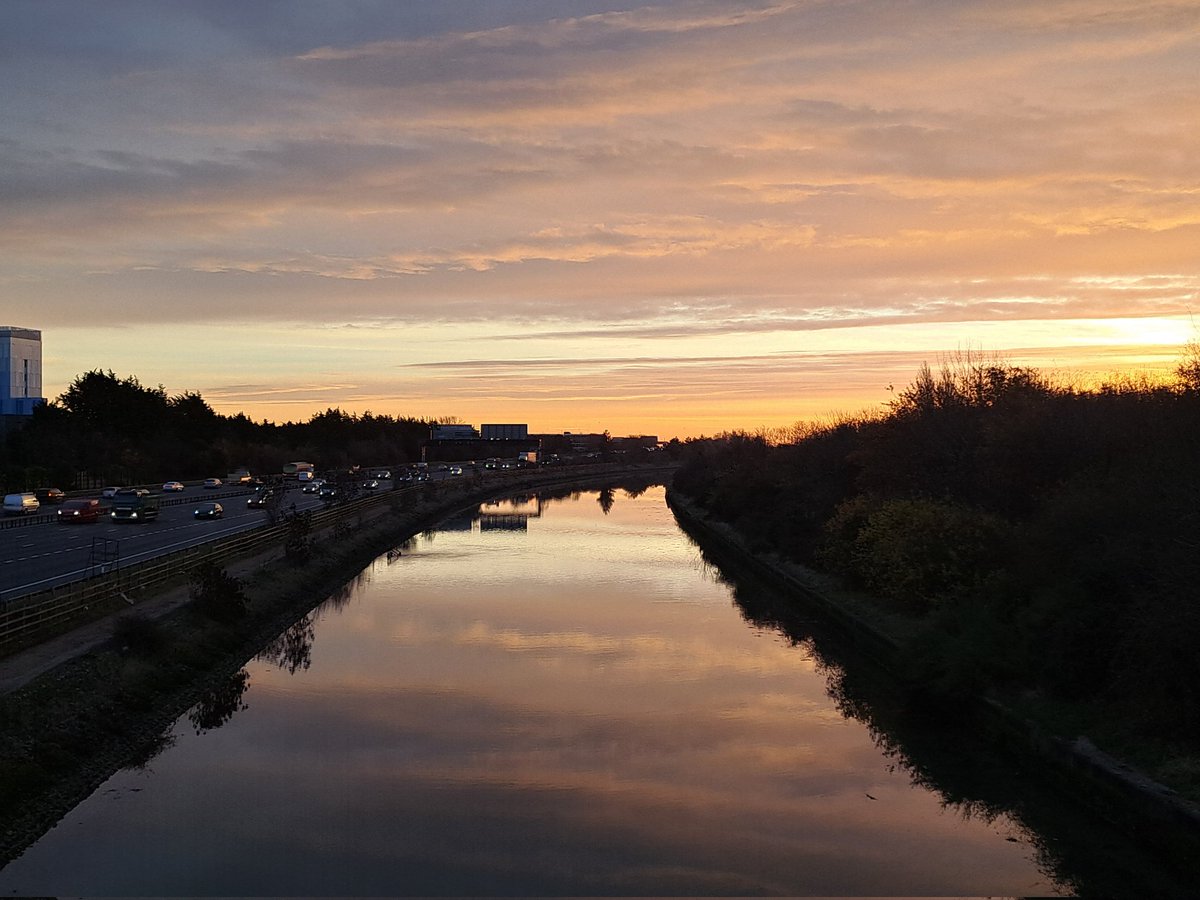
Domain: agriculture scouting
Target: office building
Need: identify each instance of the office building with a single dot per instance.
(20, 370)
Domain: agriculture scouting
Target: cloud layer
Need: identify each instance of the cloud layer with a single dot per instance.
(672, 169)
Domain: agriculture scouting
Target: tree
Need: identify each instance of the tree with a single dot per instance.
(217, 594)
(1188, 368)
(104, 401)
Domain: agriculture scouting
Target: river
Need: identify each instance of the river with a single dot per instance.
(543, 696)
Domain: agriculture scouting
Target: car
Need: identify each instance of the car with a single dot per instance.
(172, 487)
(313, 487)
(383, 474)
(371, 485)
(50, 495)
(329, 492)
(109, 492)
(208, 511)
(74, 512)
(212, 483)
(456, 470)
(259, 500)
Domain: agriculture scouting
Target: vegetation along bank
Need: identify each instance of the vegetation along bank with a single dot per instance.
(1005, 538)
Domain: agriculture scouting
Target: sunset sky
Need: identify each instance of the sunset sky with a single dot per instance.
(673, 218)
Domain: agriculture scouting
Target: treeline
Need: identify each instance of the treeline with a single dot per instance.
(1044, 540)
(109, 430)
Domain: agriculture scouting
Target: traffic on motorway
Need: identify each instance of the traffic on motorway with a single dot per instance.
(80, 535)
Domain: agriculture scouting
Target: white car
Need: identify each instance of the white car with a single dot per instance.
(172, 487)
(456, 470)
(109, 492)
(212, 483)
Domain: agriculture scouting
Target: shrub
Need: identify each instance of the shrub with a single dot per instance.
(1156, 676)
(217, 595)
(918, 552)
(297, 546)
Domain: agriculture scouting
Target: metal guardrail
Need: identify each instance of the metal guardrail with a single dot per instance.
(22, 618)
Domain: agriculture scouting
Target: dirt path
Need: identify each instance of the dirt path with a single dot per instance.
(20, 668)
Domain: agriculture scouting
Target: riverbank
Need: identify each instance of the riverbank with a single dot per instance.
(104, 697)
(1150, 813)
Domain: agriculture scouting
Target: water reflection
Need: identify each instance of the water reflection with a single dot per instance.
(575, 708)
(218, 705)
(940, 750)
(292, 650)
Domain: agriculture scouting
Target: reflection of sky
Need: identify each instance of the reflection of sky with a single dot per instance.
(578, 709)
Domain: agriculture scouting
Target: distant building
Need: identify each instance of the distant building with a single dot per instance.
(586, 443)
(20, 371)
(461, 443)
(635, 442)
(504, 432)
(453, 433)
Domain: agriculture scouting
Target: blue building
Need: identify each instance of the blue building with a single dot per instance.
(20, 371)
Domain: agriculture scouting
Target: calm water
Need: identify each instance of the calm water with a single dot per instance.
(541, 698)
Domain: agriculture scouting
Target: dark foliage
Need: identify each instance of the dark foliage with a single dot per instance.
(1046, 538)
(297, 546)
(216, 594)
(109, 430)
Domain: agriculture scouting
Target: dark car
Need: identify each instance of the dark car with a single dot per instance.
(208, 511)
(50, 495)
(329, 493)
(259, 500)
(79, 511)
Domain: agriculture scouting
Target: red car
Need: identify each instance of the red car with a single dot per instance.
(79, 511)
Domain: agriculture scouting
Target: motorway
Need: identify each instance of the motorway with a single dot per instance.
(46, 553)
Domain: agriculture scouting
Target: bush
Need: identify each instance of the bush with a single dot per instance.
(918, 552)
(297, 546)
(1156, 670)
(217, 595)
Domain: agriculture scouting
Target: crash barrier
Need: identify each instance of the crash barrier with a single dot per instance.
(23, 618)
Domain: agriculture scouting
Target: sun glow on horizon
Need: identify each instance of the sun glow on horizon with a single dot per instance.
(686, 386)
